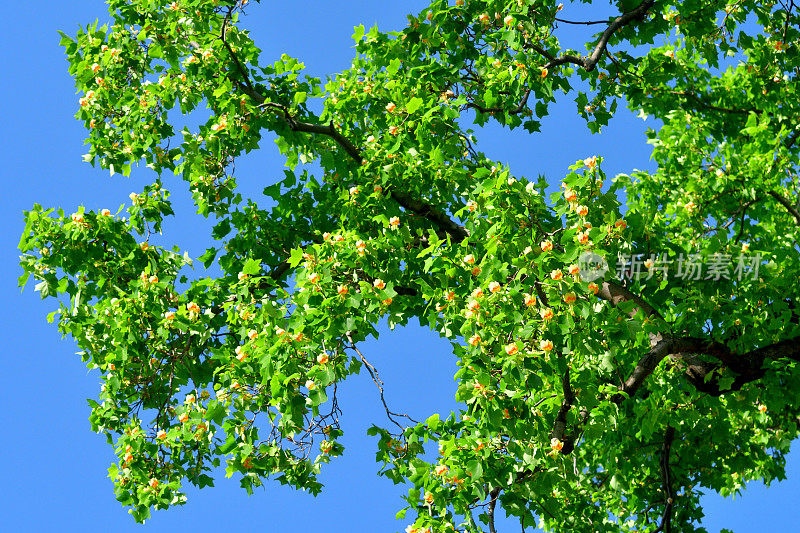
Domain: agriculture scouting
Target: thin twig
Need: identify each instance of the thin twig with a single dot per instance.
(373, 372)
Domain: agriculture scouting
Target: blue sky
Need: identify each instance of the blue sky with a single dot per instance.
(53, 468)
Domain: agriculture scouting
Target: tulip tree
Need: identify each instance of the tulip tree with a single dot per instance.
(591, 400)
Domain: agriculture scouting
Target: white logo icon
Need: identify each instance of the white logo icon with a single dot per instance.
(592, 266)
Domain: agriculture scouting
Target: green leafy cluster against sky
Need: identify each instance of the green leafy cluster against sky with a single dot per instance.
(588, 403)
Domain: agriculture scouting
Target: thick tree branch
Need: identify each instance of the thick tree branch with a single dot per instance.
(748, 367)
(787, 204)
(560, 424)
(589, 63)
(616, 294)
(666, 474)
(519, 108)
(493, 494)
(661, 350)
(457, 232)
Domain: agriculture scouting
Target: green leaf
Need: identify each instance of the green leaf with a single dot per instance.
(300, 97)
(252, 267)
(475, 469)
(208, 257)
(296, 257)
(414, 104)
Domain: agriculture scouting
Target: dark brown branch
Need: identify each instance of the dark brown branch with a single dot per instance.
(493, 494)
(787, 204)
(616, 294)
(560, 424)
(618, 23)
(239, 66)
(519, 108)
(748, 367)
(438, 218)
(651, 360)
(587, 63)
(582, 23)
(666, 474)
(590, 62)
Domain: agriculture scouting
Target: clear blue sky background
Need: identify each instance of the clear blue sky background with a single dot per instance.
(53, 468)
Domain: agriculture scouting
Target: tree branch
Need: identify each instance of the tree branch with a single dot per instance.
(239, 66)
(582, 23)
(787, 204)
(373, 372)
(560, 424)
(519, 108)
(748, 366)
(666, 475)
(590, 62)
(587, 63)
(616, 294)
(438, 218)
(493, 494)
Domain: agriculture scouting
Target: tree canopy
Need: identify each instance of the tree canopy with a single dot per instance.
(623, 342)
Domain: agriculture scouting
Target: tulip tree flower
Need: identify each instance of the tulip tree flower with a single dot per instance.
(589, 395)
